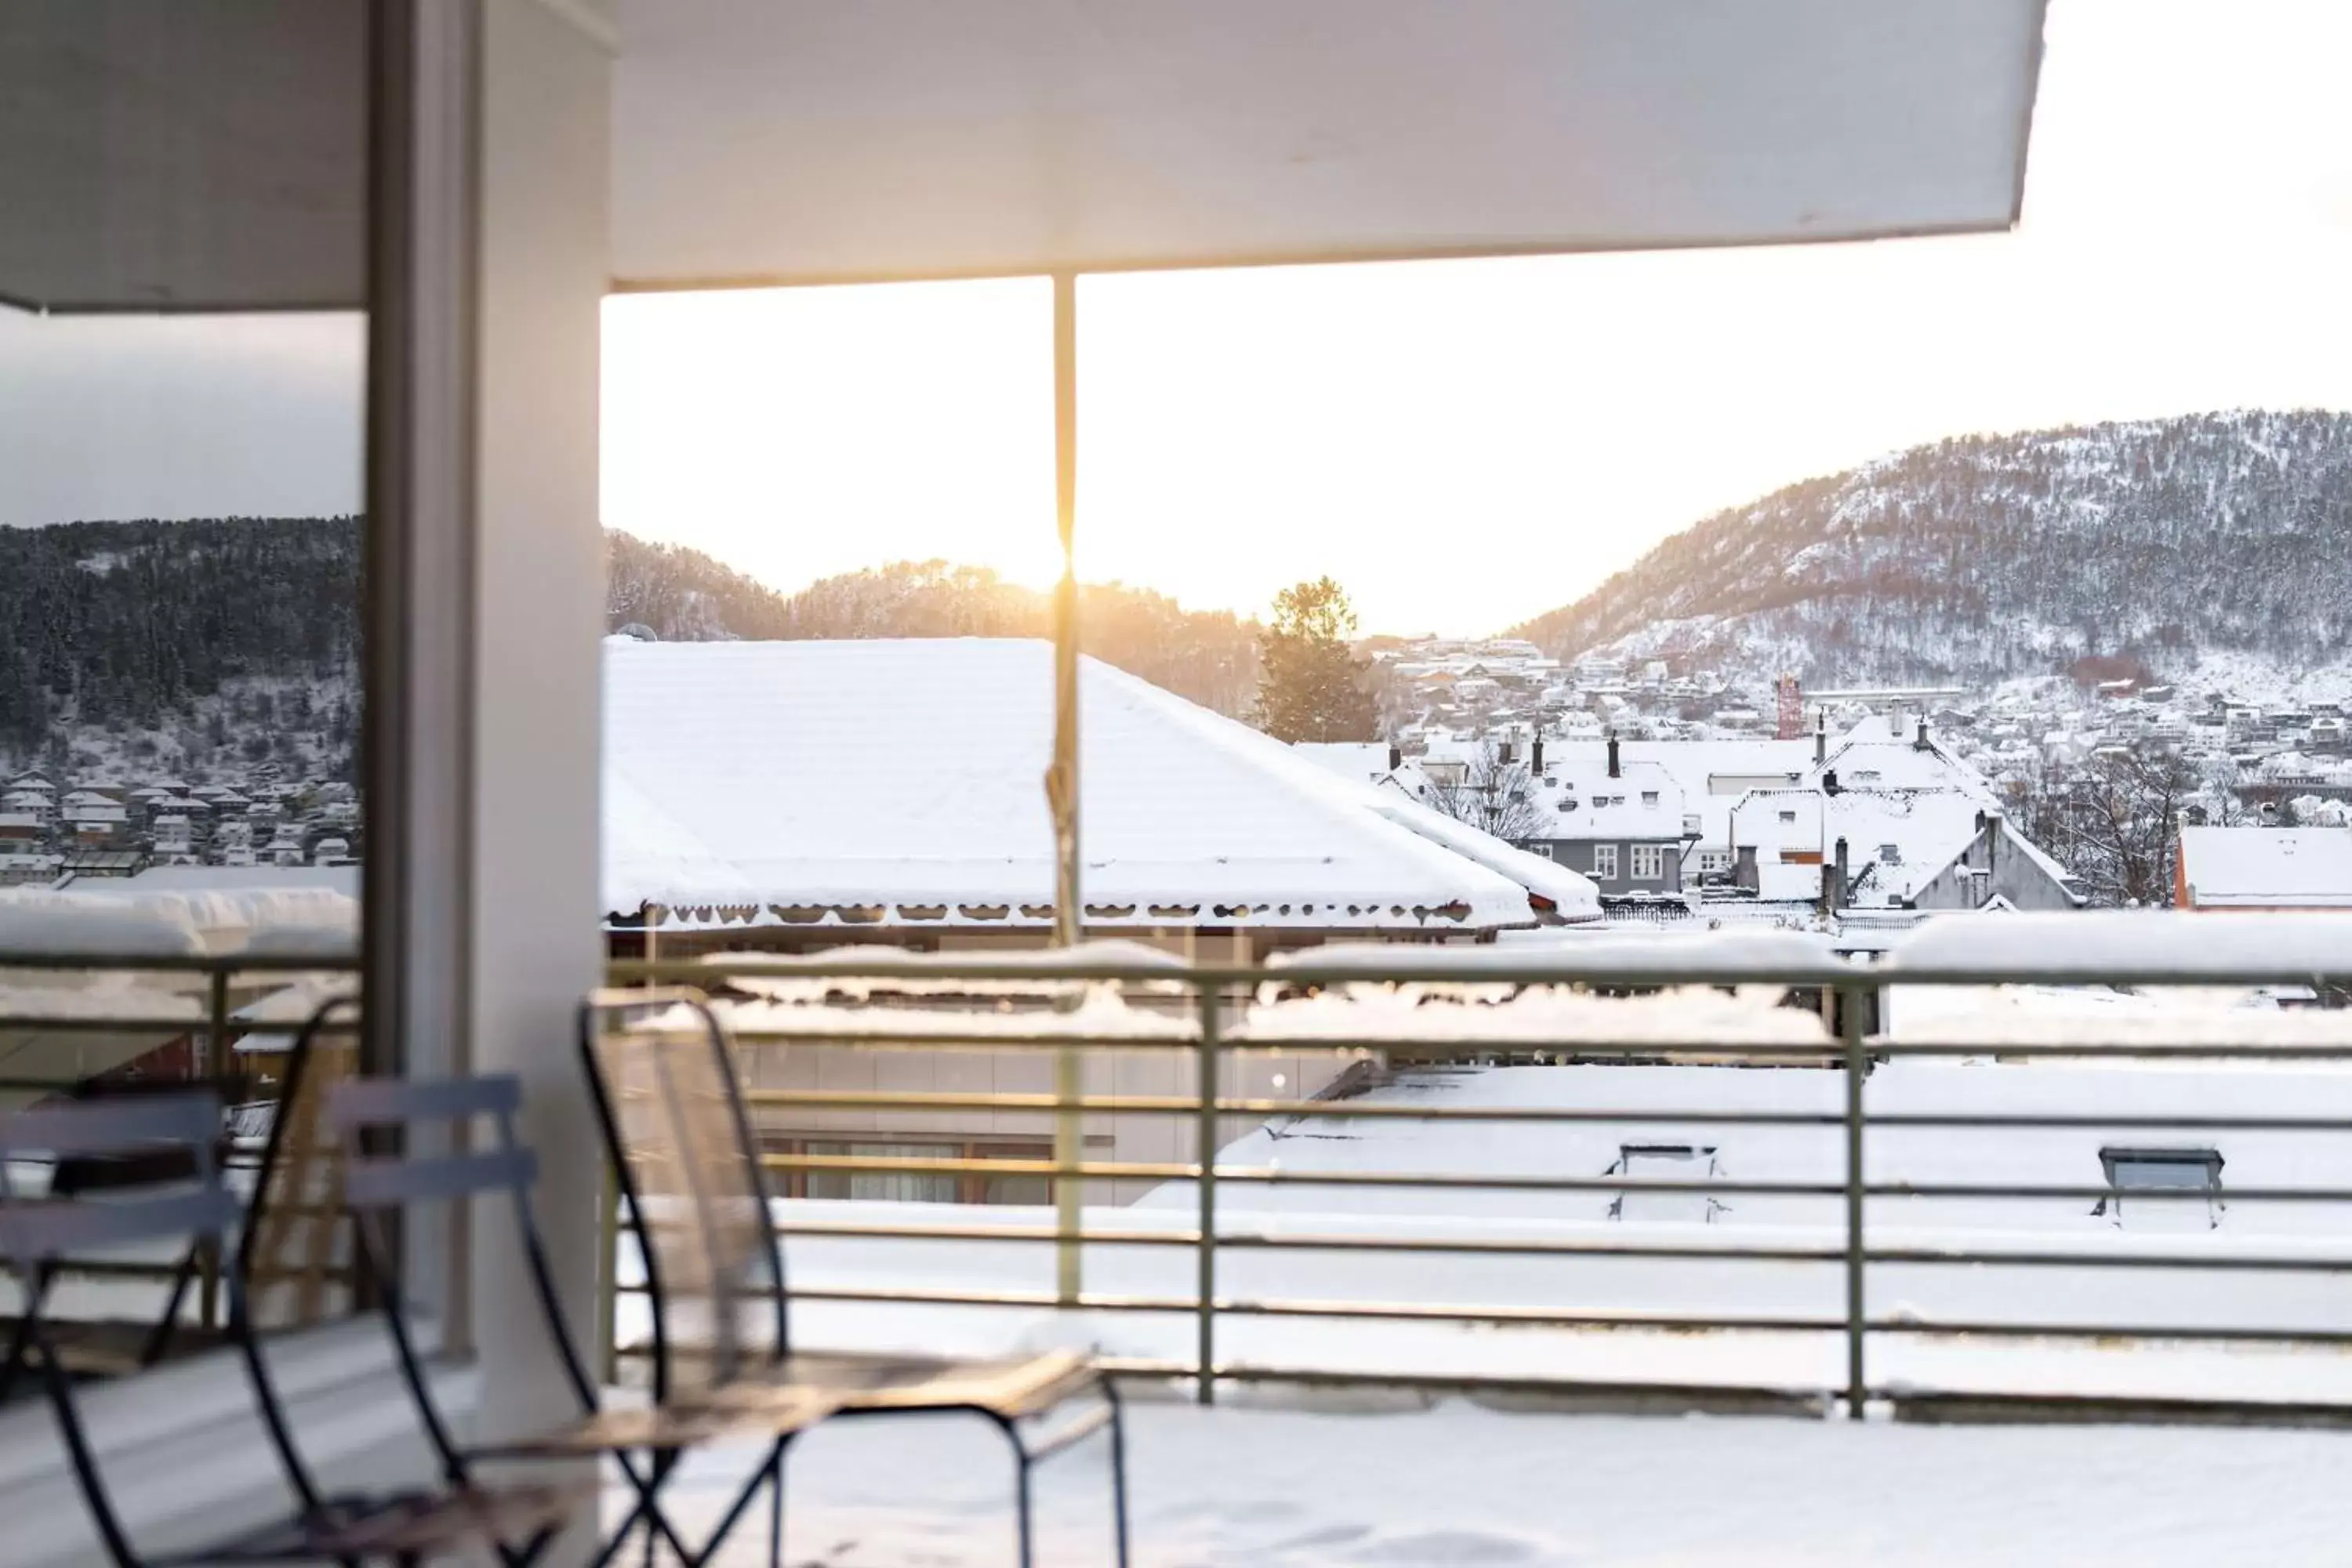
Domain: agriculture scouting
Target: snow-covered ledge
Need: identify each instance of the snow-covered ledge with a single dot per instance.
(183, 1446)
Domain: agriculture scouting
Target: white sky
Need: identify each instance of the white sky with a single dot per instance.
(1463, 444)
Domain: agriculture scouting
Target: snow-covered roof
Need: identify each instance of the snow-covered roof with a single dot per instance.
(1712, 774)
(111, 915)
(861, 782)
(344, 879)
(2267, 867)
(1357, 762)
(1925, 828)
(1581, 800)
(1888, 764)
(1571, 894)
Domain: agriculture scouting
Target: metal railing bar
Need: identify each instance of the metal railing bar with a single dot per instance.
(1186, 1305)
(1823, 974)
(1440, 1048)
(991, 1233)
(1185, 1105)
(1918, 1257)
(2199, 1333)
(1501, 1182)
(187, 962)
(1476, 1246)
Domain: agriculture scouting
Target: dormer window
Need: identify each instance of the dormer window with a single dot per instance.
(2161, 1189)
(1788, 816)
(1650, 797)
(1676, 1163)
(1891, 853)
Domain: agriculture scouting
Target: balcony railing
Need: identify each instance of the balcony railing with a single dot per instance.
(1849, 1138)
(75, 1024)
(1913, 1184)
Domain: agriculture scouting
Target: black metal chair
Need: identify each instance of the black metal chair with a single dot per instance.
(688, 1163)
(378, 1185)
(401, 1527)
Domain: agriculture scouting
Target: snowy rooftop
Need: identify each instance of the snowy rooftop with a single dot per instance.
(1583, 800)
(2268, 867)
(901, 779)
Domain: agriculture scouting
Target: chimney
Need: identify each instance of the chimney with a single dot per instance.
(1829, 781)
(1920, 739)
(1396, 756)
(1834, 882)
(1535, 756)
(1612, 755)
(1821, 737)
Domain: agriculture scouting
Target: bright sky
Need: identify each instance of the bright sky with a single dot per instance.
(1464, 444)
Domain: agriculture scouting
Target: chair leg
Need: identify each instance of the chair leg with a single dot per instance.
(736, 1510)
(662, 1467)
(1118, 1469)
(776, 1505)
(1024, 1526)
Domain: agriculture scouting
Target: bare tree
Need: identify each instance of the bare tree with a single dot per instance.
(1493, 796)
(2117, 825)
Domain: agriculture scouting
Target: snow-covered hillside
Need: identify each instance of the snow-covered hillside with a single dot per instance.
(2218, 539)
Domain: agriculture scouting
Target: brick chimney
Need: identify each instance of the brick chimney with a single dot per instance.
(1833, 881)
(1614, 769)
(1396, 756)
(1919, 741)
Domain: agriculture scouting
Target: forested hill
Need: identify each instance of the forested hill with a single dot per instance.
(137, 626)
(682, 594)
(128, 623)
(1974, 559)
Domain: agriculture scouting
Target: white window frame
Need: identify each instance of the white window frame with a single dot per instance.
(1604, 862)
(1650, 856)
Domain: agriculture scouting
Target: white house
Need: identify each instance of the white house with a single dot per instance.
(802, 793)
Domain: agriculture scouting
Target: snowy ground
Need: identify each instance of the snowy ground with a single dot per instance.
(1457, 1484)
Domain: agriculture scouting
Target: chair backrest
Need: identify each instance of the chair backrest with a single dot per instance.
(187, 1204)
(380, 1182)
(688, 1165)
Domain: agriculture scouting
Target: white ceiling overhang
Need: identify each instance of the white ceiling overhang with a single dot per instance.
(206, 154)
(813, 141)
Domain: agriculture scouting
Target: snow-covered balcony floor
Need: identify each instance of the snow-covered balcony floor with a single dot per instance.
(1459, 1484)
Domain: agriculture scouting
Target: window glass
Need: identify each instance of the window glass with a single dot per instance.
(1604, 861)
(182, 389)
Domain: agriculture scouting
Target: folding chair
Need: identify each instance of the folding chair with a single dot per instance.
(375, 1185)
(688, 1163)
(403, 1527)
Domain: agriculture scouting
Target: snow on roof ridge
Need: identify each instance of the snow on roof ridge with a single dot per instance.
(970, 830)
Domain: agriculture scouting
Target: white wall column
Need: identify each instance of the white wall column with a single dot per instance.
(489, 585)
(538, 587)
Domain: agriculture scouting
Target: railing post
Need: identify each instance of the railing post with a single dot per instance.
(216, 1072)
(1207, 1082)
(1857, 1066)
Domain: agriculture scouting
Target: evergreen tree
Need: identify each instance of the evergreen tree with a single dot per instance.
(1311, 686)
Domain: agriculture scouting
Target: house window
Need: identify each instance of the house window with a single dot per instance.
(910, 1186)
(1891, 853)
(2161, 1189)
(1650, 797)
(1542, 849)
(1604, 861)
(1649, 861)
(1679, 1164)
(1788, 816)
